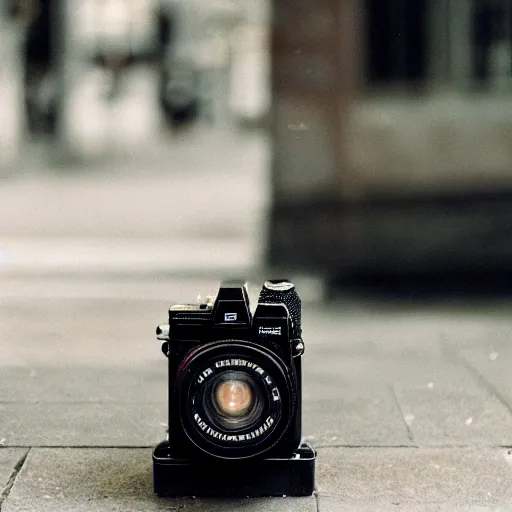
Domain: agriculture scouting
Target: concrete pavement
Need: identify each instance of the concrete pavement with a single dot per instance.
(408, 405)
(189, 203)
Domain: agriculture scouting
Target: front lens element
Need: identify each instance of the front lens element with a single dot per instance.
(233, 398)
(233, 401)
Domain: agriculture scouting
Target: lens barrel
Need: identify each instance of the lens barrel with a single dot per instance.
(235, 399)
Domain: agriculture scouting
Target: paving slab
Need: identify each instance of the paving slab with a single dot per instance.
(411, 476)
(145, 384)
(335, 504)
(60, 333)
(355, 421)
(455, 419)
(285, 504)
(169, 505)
(445, 404)
(401, 401)
(82, 424)
(349, 329)
(111, 480)
(439, 398)
(403, 330)
(489, 360)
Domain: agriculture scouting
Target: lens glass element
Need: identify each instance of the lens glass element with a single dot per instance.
(234, 401)
(233, 398)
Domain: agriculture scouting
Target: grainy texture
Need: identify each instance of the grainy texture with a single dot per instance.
(113, 479)
(450, 476)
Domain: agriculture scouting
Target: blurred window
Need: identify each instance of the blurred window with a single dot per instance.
(491, 41)
(465, 43)
(396, 40)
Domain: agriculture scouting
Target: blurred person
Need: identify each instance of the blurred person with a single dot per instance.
(113, 47)
(38, 61)
(177, 75)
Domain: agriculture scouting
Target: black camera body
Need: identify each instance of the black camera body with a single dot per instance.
(235, 397)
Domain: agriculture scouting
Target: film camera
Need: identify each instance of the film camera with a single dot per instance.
(235, 397)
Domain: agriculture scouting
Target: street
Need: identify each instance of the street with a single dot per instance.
(408, 401)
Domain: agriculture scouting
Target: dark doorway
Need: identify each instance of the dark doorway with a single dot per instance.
(396, 48)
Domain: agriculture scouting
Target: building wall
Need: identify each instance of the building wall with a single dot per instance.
(396, 177)
(449, 136)
(440, 144)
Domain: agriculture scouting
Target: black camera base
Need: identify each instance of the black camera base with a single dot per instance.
(234, 479)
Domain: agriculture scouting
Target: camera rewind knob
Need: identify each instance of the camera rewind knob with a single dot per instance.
(282, 291)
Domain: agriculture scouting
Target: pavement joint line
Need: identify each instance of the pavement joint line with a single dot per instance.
(397, 402)
(78, 402)
(381, 446)
(316, 447)
(316, 494)
(417, 446)
(82, 447)
(452, 355)
(12, 479)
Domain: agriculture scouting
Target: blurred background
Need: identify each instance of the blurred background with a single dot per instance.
(132, 140)
(150, 148)
(356, 141)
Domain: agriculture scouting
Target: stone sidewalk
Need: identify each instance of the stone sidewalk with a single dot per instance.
(409, 405)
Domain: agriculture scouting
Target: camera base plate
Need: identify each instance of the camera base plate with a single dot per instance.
(293, 476)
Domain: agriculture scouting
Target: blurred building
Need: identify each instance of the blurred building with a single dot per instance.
(392, 136)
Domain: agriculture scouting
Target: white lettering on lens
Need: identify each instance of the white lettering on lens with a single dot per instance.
(267, 424)
(203, 375)
(202, 425)
(240, 362)
(275, 395)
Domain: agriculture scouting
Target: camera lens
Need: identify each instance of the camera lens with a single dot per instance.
(233, 398)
